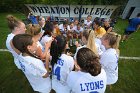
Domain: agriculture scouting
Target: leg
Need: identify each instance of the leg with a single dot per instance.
(125, 36)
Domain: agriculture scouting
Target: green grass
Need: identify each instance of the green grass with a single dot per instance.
(13, 80)
(129, 78)
(131, 46)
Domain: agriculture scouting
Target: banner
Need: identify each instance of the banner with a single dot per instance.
(103, 11)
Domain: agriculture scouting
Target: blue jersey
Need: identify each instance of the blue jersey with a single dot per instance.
(33, 19)
(133, 24)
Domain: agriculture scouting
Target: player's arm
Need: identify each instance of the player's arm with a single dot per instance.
(42, 54)
(47, 65)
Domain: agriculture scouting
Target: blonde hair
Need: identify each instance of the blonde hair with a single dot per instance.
(114, 40)
(33, 29)
(90, 37)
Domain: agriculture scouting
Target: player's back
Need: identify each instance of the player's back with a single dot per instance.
(64, 65)
(82, 82)
(109, 62)
(9, 47)
(34, 70)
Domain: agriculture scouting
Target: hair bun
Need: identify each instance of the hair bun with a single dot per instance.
(10, 18)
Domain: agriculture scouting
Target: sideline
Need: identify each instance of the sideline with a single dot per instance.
(121, 57)
(136, 58)
(2, 50)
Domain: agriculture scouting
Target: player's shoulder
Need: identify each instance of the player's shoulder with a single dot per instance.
(109, 53)
(32, 59)
(67, 57)
(73, 74)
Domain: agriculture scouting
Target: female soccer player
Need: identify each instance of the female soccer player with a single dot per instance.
(109, 58)
(35, 31)
(88, 38)
(91, 78)
(33, 68)
(16, 26)
(62, 64)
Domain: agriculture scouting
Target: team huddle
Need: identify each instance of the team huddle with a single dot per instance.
(40, 51)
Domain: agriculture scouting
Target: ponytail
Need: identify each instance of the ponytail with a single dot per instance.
(33, 29)
(118, 38)
(91, 42)
(54, 52)
(57, 47)
(116, 45)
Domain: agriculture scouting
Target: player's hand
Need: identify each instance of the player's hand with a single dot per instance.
(46, 75)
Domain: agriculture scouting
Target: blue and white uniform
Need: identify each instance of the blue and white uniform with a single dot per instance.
(109, 62)
(34, 70)
(82, 82)
(64, 66)
(8, 45)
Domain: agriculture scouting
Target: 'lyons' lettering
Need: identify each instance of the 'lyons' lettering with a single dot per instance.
(91, 86)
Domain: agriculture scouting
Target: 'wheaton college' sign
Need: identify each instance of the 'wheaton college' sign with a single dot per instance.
(103, 11)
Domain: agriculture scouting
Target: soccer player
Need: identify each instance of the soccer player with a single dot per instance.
(16, 26)
(109, 58)
(62, 64)
(90, 78)
(35, 71)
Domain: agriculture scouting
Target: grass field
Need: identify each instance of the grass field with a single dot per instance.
(12, 80)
